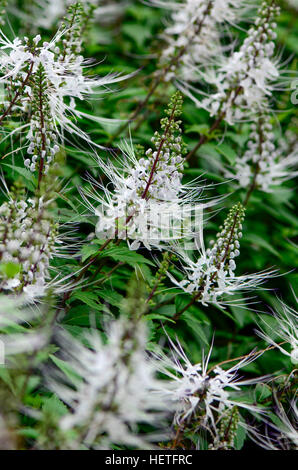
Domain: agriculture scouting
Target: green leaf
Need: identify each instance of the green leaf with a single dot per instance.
(255, 239)
(88, 250)
(197, 128)
(195, 325)
(137, 32)
(157, 316)
(54, 406)
(227, 152)
(240, 436)
(88, 298)
(110, 296)
(27, 175)
(126, 255)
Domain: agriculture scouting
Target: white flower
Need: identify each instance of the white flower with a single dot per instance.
(117, 388)
(245, 81)
(163, 217)
(285, 328)
(57, 80)
(200, 394)
(46, 13)
(211, 277)
(148, 202)
(195, 33)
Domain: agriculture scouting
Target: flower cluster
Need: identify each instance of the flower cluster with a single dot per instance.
(263, 163)
(28, 239)
(44, 80)
(82, 364)
(193, 37)
(212, 275)
(117, 387)
(203, 396)
(245, 81)
(44, 14)
(146, 188)
(41, 136)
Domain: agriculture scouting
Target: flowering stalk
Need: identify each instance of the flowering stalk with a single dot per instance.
(213, 274)
(191, 40)
(42, 137)
(163, 73)
(76, 23)
(203, 399)
(160, 274)
(195, 29)
(225, 440)
(119, 388)
(144, 187)
(28, 242)
(243, 82)
(43, 82)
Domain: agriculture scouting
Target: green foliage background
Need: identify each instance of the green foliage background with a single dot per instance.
(270, 229)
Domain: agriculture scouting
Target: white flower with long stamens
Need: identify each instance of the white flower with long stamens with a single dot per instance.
(115, 390)
(45, 81)
(148, 202)
(211, 277)
(281, 434)
(246, 80)
(194, 34)
(285, 328)
(203, 395)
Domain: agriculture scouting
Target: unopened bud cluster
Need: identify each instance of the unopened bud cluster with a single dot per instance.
(72, 41)
(227, 431)
(167, 158)
(225, 249)
(41, 136)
